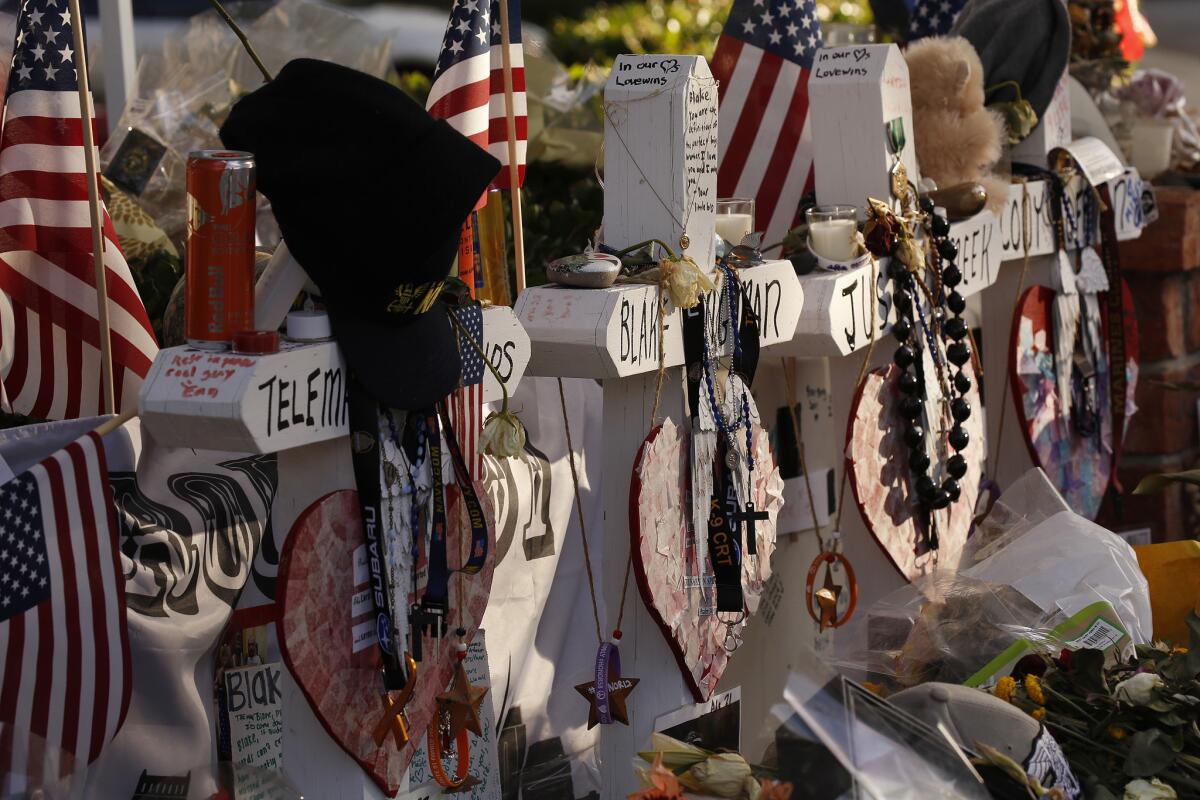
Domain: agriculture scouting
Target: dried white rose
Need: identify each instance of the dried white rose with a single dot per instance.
(684, 281)
(1152, 789)
(503, 435)
(1138, 690)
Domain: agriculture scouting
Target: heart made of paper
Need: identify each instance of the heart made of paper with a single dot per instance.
(1079, 466)
(882, 482)
(663, 560)
(318, 628)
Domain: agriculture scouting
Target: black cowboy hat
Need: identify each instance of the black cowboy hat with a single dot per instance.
(370, 193)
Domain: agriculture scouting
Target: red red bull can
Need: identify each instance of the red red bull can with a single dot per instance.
(219, 270)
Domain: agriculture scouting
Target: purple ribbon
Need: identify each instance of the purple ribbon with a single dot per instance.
(608, 668)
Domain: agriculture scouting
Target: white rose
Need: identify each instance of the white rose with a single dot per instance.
(1138, 690)
(685, 281)
(503, 435)
(1153, 789)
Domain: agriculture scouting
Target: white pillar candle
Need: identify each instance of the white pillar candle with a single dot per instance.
(734, 227)
(834, 239)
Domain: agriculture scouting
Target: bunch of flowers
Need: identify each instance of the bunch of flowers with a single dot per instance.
(1130, 729)
(678, 767)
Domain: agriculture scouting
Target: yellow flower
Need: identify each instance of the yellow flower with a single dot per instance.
(1179, 651)
(1117, 734)
(1033, 688)
(1004, 688)
(1038, 713)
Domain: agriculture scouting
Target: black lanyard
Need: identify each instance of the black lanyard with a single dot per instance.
(436, 599)
(364, 438)
(435, 602)
(724, 540)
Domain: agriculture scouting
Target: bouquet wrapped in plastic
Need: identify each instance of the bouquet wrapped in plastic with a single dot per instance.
(185, 91)
(1035, 576)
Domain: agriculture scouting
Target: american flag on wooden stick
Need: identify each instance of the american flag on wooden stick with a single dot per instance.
(64, 646)
(466, 402)
(49, 334)
(762, 63)
(468, 80)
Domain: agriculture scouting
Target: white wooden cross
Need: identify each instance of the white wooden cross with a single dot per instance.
(660, 182)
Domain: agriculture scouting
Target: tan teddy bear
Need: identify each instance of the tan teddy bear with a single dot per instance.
(958, 139)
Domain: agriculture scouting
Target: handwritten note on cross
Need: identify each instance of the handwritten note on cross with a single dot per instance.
(660, 153)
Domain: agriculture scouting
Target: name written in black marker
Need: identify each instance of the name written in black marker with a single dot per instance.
(315, 400)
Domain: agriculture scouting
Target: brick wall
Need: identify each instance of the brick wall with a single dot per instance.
(1162, 268)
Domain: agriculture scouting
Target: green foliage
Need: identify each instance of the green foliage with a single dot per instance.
(660, 26)
(1150, 752)
(155, 277)
(543, 12)
(687, 27)
(415, 84)
(562, 210)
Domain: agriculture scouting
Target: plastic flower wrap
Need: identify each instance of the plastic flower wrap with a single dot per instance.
(1155, 94)
(185, 91)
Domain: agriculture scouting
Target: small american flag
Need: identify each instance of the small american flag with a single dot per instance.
(466, 403)
(762, 63)
(49, 335)
(933, 18)
(468, 80)
(64, 646)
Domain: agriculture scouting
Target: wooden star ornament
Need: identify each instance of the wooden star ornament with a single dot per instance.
(618, 692)
(461, 703)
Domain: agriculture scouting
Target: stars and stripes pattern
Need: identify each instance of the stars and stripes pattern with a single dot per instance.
(64, 646)
(933, 18)
(468, 80)
(49, 334)
(762, 63)
(466, 402)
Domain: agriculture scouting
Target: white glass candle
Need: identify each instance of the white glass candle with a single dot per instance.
(734, 219)
(833, 230)
(734, 227)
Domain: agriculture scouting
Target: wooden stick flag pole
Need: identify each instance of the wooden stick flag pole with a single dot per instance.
(111, 425)
(93, 183)
(514, 171)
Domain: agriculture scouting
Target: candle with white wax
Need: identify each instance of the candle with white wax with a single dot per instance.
(734, 227)
(834, 239)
